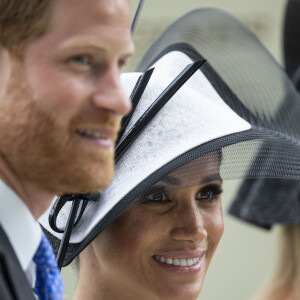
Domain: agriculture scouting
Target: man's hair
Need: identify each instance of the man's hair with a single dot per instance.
(22, 21)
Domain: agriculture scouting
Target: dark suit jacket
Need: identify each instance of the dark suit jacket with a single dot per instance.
(13, 282)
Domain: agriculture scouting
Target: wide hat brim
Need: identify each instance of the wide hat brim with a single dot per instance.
(234, 104)
(268, 201)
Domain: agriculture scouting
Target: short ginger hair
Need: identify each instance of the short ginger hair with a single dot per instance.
(22, 21)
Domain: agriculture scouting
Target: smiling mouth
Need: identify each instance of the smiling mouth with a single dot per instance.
(178, 262)
(92, 134)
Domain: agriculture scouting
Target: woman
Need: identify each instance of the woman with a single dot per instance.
(158, 249)
(152, 233)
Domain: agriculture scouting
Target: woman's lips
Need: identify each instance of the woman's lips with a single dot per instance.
(183, 262)
(180, 263)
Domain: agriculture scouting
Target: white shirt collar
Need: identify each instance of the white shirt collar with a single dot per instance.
(22, 230)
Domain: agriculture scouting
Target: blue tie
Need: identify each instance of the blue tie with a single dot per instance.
(49, 284)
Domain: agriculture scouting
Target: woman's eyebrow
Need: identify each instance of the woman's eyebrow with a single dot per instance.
(171, 180)
(210, 178)
(176, 181)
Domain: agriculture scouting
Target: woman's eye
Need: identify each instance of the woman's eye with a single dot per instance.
(209, 194)
(157, 199)
(205, 195)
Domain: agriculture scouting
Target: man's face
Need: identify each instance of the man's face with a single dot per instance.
(61, 104)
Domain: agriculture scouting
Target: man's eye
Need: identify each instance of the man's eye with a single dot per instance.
(81, 59)
(157, 199)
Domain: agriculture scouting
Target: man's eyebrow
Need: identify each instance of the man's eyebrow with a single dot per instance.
(83, 42)
(96, 44)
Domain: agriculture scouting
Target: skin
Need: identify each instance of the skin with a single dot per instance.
(66, 82)
(120, 263)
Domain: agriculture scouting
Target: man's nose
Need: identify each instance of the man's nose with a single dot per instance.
(190, 225)
(109, 94)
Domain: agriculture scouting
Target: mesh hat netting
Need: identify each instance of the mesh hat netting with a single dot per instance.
(291, 41)
(228, 119)
(268, 201)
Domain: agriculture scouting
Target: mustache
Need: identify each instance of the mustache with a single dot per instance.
(96, 118)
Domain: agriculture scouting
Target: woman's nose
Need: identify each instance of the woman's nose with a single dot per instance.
(189, 224)
(109, 94)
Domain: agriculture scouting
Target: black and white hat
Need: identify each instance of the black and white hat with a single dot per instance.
(269, 201)
(238, 105)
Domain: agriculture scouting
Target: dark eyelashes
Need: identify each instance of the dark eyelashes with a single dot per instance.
(161, 197)
(210, 193)
(155, 191)
(215, 188)
(155, 203)
(154, 197)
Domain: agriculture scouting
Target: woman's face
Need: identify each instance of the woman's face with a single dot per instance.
(161, 249)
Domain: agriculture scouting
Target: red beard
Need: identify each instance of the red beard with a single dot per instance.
(49, 153)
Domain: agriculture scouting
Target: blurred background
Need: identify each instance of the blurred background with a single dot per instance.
(246, 253)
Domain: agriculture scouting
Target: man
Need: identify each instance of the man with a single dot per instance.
(60, 108)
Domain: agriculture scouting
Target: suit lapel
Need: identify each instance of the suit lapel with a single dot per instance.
(12, 274)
